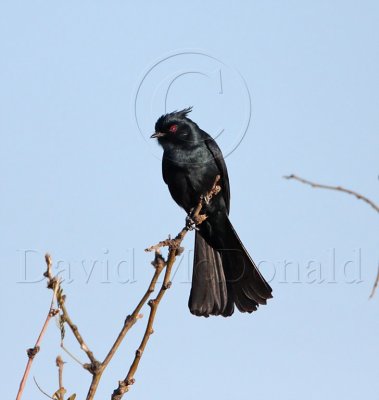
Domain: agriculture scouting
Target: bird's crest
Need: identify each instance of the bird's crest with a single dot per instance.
(173, 116)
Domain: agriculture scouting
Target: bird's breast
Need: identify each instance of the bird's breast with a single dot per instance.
(188, 174)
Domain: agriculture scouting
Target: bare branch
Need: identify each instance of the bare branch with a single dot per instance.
(130, 320)
(337, 188)
(95, 367)
(53, 284)
(174, 250)
(67, 319)
(348, 191)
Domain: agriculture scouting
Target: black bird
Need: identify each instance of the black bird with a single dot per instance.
(224, 274)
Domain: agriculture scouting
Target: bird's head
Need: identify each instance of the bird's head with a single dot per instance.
(175, 127)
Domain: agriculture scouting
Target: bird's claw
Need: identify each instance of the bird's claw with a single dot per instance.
(190, 223)
(205, 199)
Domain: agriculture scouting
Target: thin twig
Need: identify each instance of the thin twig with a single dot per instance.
(375, 285)
(174, 250)
(52, 312)
(348, 191)
(337, 188)
(40, 389)
(67, 319)
(71, 355)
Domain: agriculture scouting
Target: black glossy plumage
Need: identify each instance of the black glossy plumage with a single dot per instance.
(224, 275)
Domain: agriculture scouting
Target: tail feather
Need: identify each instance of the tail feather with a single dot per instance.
(225, 277)
(208, 293)
(250, 289)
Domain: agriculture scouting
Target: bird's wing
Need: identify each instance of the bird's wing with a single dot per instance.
(220, 162)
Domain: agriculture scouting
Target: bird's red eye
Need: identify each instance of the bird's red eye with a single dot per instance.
(173, 128)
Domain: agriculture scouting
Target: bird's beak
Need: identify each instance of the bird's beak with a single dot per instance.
(157, 135)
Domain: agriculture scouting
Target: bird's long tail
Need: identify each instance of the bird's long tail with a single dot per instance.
(208, 292)
(224, 274)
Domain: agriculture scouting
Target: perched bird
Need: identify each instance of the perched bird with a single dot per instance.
(224, 274)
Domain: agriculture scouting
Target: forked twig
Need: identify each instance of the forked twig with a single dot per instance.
(65, 318)
(95, 367)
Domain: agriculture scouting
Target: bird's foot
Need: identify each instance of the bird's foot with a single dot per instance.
(193, 220)
(205, 199)
(190, 222)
